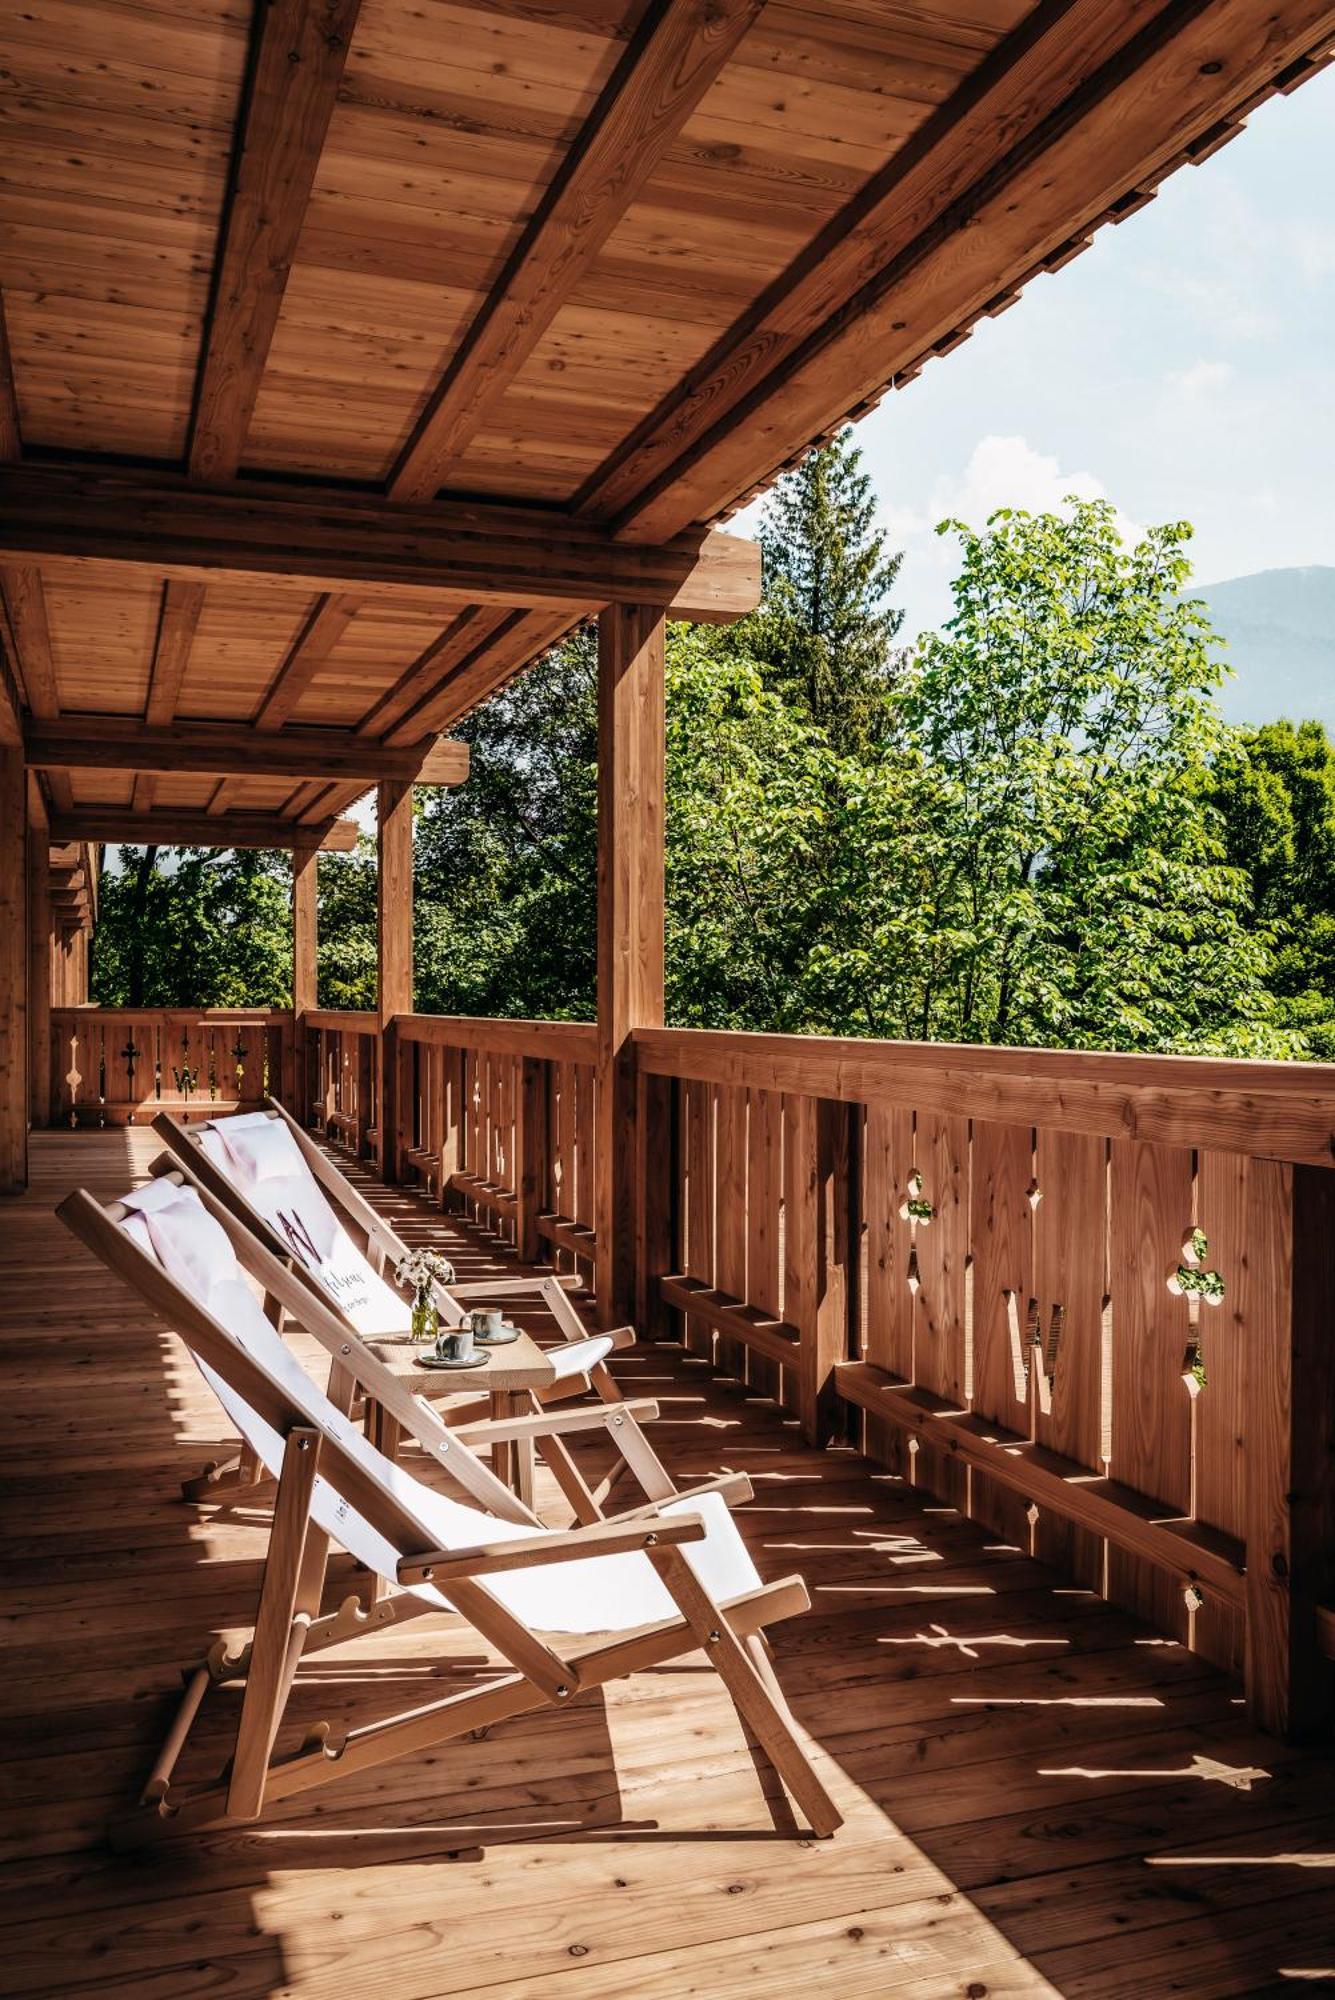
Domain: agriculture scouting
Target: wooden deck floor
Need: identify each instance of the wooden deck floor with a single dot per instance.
(1042, 1796)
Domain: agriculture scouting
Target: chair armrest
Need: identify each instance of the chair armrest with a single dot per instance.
(734, 1487)
(602, 1538)
(552, 1423)
(485, 1288)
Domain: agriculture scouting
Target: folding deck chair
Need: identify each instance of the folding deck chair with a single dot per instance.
(271, 1174)
(644, 1588)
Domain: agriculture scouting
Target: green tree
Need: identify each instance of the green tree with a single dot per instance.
(825, 631)
(1274, 788)
(1067, 881)
(195, 927)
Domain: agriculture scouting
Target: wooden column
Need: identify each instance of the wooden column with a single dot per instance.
(394, 990)
(305, 927)
(305, 971)
(39, 972)
(630, 928)
(1289, 1447)
(13, 971)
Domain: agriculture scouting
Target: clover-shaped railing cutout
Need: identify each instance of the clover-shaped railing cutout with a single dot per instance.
(1027, 1346)
(1193, 1279)
(915, 1206)
(1198, 1283)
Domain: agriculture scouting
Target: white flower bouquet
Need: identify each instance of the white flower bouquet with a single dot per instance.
(421, 1269)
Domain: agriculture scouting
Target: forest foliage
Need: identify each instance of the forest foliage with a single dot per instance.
(1030, 827)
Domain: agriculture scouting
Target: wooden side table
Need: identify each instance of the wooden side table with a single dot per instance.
(507, 1378)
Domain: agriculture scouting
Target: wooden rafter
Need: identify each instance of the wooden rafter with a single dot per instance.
(297, 58)
(327, 539)
(11, 442)
(680, 48)
(1065, 127)
(29, 636)
(329, 620)
(488, 666)
(195, 829)
(431, 668)
(179, 614)
(119, 743)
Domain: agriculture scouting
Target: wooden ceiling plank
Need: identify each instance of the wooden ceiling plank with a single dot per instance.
(235, 750)
(297, 60)
(429, 668)
(822, 343)
(679, 50)
(332, 541)
(195, 829)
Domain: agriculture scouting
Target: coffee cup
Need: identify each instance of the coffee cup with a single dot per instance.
(486, 1322)
(455, 1343)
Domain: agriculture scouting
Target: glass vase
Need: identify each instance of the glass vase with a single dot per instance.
(426, 1318)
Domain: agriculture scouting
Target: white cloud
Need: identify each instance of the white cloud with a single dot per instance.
(999, 472)
(1202, 378)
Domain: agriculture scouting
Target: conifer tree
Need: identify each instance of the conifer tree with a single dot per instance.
(825, 633)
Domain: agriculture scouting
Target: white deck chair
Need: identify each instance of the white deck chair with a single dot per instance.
(653, 1584)
(269, 1172)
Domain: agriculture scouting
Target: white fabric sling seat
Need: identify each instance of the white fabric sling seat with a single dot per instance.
(259, 1156)
(611, 1593)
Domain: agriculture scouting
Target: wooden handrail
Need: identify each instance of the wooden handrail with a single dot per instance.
(347, 1020)
(553, 1041)
(1272, 1110)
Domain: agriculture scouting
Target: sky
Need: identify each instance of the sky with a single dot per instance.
(1183, 366)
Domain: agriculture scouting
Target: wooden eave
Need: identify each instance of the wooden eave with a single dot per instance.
(352, 355)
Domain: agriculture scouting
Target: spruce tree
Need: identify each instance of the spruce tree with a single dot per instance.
(825, 631)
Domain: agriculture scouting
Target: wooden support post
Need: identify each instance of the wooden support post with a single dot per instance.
(305, 926)
(631, 757)
(39, 967)
(531, 1156)
(394, 991)
(13, 971)
(305, 970)
(1290, 1451)
(817, 1258)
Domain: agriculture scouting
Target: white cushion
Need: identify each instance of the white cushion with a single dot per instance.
(596, 1594)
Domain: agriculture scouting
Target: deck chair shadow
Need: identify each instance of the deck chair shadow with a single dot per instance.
(271, 1174)
(636, 1591)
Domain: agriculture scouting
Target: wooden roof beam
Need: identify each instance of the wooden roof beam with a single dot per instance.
(196, 829)
(333, 541)
(178, 616)
(1079, 107)
(296, 65)
(679, 49)
(122, 743)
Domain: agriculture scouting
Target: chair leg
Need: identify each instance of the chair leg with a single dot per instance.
(279, 1627)
(766, 1717)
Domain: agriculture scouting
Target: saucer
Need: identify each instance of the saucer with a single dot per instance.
(507, 1333)
(446, 1361)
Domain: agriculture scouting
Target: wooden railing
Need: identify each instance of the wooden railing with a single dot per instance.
(1088, 1299)
(498, 1117)
(120, 1065)
(338, 1067)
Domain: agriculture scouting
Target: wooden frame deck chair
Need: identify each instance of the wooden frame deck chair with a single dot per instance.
(266, 1170)
(644, 1588)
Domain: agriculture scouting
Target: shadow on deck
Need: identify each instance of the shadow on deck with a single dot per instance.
(1042, 1795)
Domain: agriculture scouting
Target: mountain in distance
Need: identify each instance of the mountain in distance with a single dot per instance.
(1280, 628)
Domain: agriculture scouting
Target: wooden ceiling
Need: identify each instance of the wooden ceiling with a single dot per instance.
(352, 352)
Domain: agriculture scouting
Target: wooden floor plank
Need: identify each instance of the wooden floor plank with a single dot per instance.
(1043, 1796)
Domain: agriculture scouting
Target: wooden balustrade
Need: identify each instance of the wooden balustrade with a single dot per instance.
(1088, 1299)
(120, 1065)
(338, 1077)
